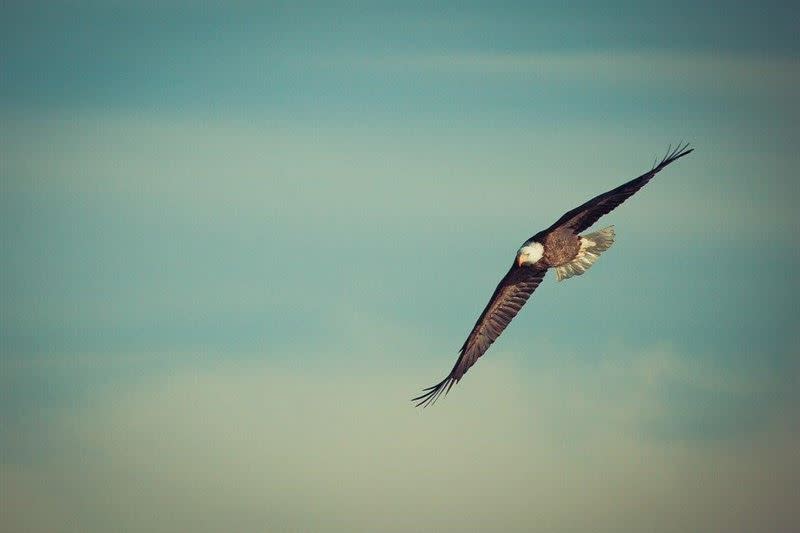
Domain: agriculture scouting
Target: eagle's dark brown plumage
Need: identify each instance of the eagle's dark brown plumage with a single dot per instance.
(560, 246)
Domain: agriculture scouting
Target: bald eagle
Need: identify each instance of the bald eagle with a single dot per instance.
(561, 247)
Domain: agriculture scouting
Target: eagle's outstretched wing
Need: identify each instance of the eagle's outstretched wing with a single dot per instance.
(510, 295)
(519, 283)
(582, 217)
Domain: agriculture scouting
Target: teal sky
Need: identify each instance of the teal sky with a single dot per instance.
(237, 238)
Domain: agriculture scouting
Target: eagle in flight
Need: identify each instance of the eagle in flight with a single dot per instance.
(561, 247)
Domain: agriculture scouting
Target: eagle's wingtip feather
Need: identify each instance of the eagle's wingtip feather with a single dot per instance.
(673, 154)
(432, 393)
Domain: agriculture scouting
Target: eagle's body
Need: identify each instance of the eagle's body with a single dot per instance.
(562, 247)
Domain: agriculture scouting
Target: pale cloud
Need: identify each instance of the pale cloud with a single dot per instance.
(639, 67)
(228, 173)
(338, 447)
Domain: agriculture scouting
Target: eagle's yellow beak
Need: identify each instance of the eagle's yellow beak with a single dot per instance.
(520, 259)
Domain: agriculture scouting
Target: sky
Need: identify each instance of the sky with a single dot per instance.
(236, 238)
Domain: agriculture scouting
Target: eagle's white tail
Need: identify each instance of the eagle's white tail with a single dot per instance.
(592, 245)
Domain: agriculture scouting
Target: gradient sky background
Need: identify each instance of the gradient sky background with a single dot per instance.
(235, 240)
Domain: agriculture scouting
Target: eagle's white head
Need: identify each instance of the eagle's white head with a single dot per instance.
(530, 253)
